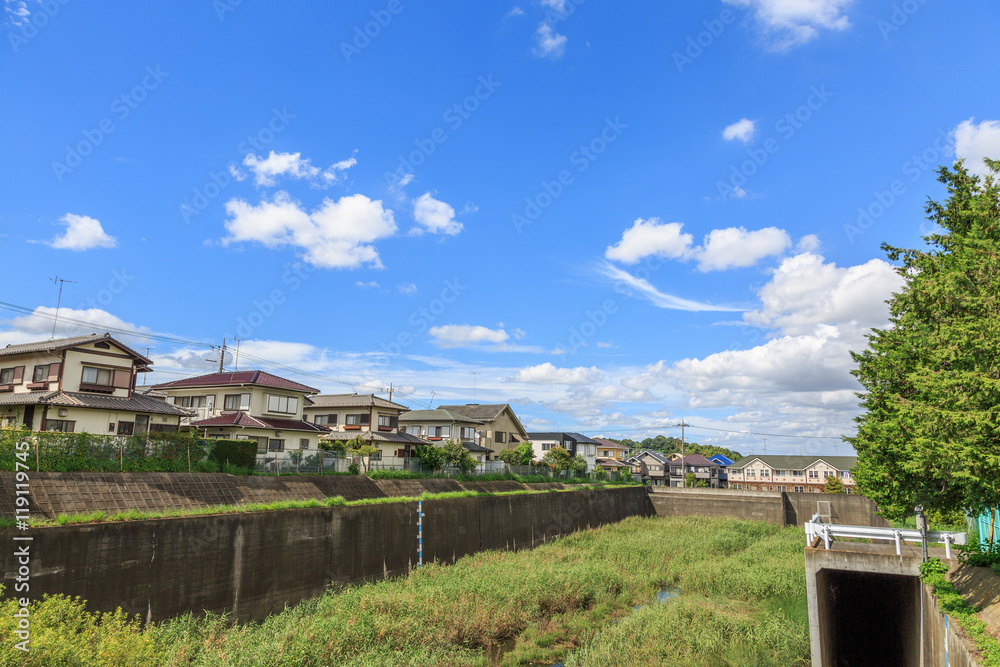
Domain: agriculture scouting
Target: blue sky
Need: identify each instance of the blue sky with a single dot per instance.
(613, 216)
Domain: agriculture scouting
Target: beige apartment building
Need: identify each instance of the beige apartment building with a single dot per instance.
(441, 425)
(500, 428)
(797, 474)
(79, 384)
(366, 417)
(253, 405)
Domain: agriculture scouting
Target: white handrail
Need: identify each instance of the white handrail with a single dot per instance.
(828, 531)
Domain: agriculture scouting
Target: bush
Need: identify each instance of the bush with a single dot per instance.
(394, 474)
(240, 453)
(354, 469)
(230, 469)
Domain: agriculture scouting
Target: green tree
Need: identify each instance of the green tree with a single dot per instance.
(522, 455)
(578, 465)
(558, 458)
(431, 458)
(690, 480)
(930, 431)
(358, 447)
(833, 485)
(455, 454)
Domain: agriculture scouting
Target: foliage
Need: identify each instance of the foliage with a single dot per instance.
(431, 458)
(338, 446)
(928, 434)
(354, 469)
(456, 455)
(558, 459)
(556, 603)
(690, 479)
(578, 466)
(669, 445)
(358, 447)
(951, 602)
(240, 453)
(522, 455)
(833, 485)
(393, 474)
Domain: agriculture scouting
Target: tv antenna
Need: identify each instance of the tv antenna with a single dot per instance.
(61, 281)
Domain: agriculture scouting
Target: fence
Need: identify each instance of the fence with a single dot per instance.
(318, 463)
(989, 528)
(71, 452)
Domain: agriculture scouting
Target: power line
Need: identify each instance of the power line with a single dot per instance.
(709, 428)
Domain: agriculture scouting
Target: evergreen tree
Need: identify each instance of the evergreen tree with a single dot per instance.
(930, 431)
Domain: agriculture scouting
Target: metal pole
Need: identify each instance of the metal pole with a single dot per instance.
(922, 527)
(420, 533)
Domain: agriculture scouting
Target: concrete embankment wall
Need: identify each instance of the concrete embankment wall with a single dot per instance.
(254, 564)
(786, 509)
(54, 493)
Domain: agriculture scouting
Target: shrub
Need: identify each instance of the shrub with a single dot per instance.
(239, 453)
(394, 474)
(354, 469)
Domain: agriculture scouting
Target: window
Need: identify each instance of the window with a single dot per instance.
(276, 445)
(303, 443)
(738, 487)
(468, 433)
(357, 420)
(377, 456)
(751, 473)
(101, 376)
(60, 425)
(499, 437)
(287, 405)
(813, 474)
(675, 471)
(546, 446)
(40, 374)
(126, 428)
(384, 420)
(190, 401)
(845, 473)
(765, 473)
(236, 402)
(797, 473)
(325, 420)
(780, 473)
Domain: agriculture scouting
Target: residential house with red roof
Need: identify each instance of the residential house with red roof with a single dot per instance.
(253, 405)
(79, 384)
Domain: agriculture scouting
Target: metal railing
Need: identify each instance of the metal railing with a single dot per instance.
(828, 531)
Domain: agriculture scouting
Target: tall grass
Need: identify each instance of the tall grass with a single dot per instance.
(559, 600)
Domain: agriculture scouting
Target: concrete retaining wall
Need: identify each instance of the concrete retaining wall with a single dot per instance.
(786, 509)
(54, 493)
(254, 564)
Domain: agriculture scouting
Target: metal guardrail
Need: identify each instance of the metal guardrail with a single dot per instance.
(828, 531)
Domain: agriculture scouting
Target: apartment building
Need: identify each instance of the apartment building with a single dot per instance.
(80, 384)
(652, 466)
(441, 425)
(800, 474)
(500, 428)
(576, 444)
(703, 469)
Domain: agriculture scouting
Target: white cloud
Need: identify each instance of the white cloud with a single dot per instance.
(407, 288)
(82, 233)
(291, 165)
(465, 335)
(72, 322)
(434, 216)
(789, 23)
(974, 142)
(549, 43)
(736, 247)
(548, 374)
(371, 284)
(742, 130)
(607, 345)
(517, 11)
(558, 5)
(805, 291)
(728, 248)
(17, 11)
(650, 237)
(339, 234)
(808, 243)
(625, 281)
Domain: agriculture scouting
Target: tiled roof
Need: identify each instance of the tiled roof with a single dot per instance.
(695, 460)
(246, 420)
(609, 444)
(656, 455)
(780, 462)
(721, 459)
(71, 399)
(473, 447)
(231, 378)
(137, 403)
(63, 343)
(353, 401)
(476, 411)
(438, 415)
(612, 462)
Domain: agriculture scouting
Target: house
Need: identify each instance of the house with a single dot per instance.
(576, 444)
(799, 474)
(441, 425)
(79, 384)
(652, 466)
(609, 449)
(703, 469)
(252, 405)
(724, 463)
(500, 429)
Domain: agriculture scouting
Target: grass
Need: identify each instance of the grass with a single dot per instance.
(952, 603)
(336, 501)
(573, 600)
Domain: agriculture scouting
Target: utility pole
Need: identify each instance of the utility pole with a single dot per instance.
(236, 365)
(430, 401)
(683, 425)
(222, 354)
(390, 392)
(61, 281)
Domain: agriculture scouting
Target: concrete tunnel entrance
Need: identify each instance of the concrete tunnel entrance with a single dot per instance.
(868, 618)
